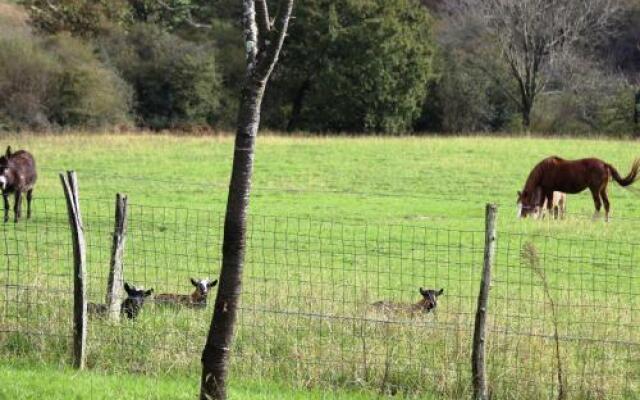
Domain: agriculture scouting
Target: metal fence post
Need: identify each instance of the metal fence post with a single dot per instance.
(115, 281)
(477, 358)
(70, 186)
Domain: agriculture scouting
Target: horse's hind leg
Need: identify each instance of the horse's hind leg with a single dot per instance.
(29, 196)
(596, 202)
(17, 207)
(5, 196)
(605, 200)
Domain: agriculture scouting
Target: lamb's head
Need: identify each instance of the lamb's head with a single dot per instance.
(430, 298)
(202, 288)
(132, 305)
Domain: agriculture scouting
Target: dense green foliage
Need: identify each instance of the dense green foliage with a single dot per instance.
(88, 93)
(354, 65)
(347, 66)
(57, 82)
(80, 17)
(175, 81)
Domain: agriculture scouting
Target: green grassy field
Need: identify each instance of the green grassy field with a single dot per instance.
(32, 381)
(337, 224)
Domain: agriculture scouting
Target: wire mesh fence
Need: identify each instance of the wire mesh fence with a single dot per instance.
(336, 303)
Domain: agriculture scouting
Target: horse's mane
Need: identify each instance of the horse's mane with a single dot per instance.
(536, 173)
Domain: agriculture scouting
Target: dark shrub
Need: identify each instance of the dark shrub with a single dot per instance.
(353, 65)
(175, 81)
(27, 76)
(88, 94)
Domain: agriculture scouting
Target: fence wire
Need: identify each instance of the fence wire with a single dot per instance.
(310, 315)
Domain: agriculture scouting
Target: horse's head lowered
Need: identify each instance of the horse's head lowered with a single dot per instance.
(528, 202)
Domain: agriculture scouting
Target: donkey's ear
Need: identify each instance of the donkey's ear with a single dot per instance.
(440, 292)
(194, 282)
(212, 284)
(148, 292)
(8, 152)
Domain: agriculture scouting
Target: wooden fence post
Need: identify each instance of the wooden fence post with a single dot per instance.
(116, 266)
(70, 186)
(477, 358)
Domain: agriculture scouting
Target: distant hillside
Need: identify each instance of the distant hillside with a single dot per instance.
(12, 15)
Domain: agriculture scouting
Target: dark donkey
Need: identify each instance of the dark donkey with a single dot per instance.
(17, 175)
(571, 176)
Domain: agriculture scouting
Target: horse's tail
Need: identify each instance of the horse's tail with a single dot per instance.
(630, 178)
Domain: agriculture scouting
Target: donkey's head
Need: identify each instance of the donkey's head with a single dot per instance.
(202, 289)
(6, 177)
(134, 301)
(430, 298)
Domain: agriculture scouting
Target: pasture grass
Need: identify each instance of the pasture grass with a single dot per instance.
(337, 223)
(26, 381)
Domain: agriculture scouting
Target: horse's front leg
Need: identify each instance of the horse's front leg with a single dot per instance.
(17, 207)
(5, 196)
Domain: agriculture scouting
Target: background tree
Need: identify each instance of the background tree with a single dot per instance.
(176, 81)
(469, 92)
(263, 40)
(354, 65)
(532, 34)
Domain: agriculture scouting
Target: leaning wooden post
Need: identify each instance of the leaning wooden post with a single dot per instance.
(477, 357)
(116, 267)
(70, 186)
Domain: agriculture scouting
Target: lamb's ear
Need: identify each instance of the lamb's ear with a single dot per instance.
(194, 282)
(440, 292)
(127, 288)
(423, 292)
(8, 152)
(212, 284)
(148, 292)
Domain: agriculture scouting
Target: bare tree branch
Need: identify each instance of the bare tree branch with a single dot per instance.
(250, 32)
(262, 19)
(276, 37)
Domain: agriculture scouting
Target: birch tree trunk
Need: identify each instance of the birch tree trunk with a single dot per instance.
(263, 41)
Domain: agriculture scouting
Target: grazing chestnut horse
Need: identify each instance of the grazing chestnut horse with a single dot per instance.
(17, 175)
(571, 176)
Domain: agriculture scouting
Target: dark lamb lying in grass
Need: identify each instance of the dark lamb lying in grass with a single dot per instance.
(130, 307)
(428, 303)
(197, 299)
